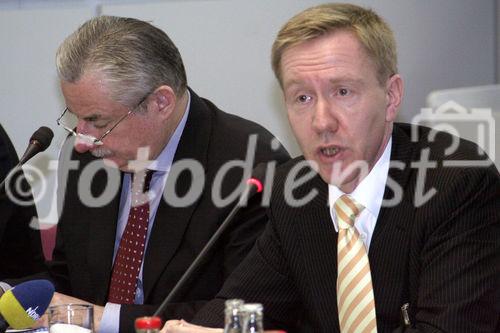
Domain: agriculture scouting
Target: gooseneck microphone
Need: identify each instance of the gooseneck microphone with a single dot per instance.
(39, 141)
(254, 185)
(24, 304)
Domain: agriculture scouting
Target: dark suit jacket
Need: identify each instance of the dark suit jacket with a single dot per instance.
(20, 247)
(442, 257)
(82, 258)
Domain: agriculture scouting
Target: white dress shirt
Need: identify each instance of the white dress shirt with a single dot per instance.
(369, 193)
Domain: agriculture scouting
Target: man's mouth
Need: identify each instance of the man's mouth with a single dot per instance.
(330, 151)
(100, 152)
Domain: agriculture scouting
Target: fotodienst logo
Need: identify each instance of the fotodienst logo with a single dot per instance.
(474, 124)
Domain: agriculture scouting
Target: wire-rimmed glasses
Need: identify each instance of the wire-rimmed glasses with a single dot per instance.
(91, 139)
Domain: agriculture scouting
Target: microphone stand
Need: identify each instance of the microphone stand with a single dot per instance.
(249, 191)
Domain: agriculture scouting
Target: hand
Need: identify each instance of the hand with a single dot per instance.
(181, 326)
(60, 299)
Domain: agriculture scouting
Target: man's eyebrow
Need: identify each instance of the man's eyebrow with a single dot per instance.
(292, 83)
(346, 79)
(335, 80)
(92, 117)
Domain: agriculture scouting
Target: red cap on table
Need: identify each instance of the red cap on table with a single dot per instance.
(148, 322)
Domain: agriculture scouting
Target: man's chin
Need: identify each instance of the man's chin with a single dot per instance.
(346, 179)
(109, 162)
(346, 184)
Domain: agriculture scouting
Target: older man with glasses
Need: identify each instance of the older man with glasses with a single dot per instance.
(126, 92)
(90, 139)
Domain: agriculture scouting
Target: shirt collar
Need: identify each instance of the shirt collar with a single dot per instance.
(164, 161)
(370, 192)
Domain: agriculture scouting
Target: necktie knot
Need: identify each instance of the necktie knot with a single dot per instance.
(347, 209)
(140, 186)
(143, 178)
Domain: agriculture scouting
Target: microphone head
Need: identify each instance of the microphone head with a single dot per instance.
(25, 303)
(257, 178)
(43, 136)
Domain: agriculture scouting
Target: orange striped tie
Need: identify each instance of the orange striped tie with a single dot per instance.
(356, 304)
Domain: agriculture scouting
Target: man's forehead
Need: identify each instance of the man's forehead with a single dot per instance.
(87, 100)
(338, 40)
(340, 54)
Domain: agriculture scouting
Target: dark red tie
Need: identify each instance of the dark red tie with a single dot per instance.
(131, 249)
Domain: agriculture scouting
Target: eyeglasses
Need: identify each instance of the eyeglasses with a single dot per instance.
(93, 140)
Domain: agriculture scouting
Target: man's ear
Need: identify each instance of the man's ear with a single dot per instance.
(394, 91)
(163, 100)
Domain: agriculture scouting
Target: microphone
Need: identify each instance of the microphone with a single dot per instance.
(254, 185)
(22, 305)
(39, 141)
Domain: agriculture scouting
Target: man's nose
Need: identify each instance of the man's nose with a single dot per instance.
(324, 118)
(83, 142)
(83, 145)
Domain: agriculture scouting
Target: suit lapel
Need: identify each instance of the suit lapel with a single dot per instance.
(171, 222)
(399, 174)
(102, 232)
(319, 248)
(390, 242)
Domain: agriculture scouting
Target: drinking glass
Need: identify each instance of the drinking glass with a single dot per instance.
(71, 318)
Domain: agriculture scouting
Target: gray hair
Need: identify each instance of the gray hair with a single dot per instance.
(133, 56)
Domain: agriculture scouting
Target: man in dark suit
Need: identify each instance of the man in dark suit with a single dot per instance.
(124, 84)
(425, 221)
(20, 248)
